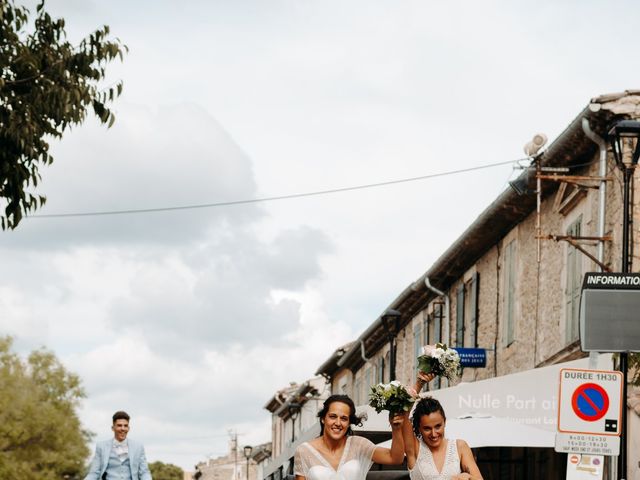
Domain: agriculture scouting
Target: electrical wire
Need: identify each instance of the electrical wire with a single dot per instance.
(272, 198)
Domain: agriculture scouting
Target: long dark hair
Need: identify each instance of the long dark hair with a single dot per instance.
(353, 418)
(425, 406)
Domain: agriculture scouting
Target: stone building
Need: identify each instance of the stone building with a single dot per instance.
(232, 466)
(293, 420)
(510, 285)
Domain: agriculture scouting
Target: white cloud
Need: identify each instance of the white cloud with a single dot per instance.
(161, 315)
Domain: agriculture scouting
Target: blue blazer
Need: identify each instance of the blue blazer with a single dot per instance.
(137, 461)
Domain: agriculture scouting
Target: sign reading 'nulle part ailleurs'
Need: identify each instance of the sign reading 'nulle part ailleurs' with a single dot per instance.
(609, 308)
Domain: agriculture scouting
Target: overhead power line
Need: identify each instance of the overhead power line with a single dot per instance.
(273, 198)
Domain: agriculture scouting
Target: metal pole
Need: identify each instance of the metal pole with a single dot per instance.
(538, 202)
(247, 468)
(624, 356)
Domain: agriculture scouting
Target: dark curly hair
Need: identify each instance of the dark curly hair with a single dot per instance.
(425, 406)
(353, 418)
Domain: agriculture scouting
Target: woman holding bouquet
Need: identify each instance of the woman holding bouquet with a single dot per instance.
(338, 451)
(430, 455)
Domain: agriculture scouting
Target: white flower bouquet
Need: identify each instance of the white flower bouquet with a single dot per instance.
(394, 397)
(440, 360)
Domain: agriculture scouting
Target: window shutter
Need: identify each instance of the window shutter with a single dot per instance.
(438, 325)
(460, 316)
(425, 329)
(473, 314)
(510, 293)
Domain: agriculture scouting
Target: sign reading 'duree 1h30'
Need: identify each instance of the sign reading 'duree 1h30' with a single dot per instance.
(590, 402)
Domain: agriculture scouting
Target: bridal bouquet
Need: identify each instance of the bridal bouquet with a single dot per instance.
(440, 360)
(394, 397)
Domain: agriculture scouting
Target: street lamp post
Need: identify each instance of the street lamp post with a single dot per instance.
(625, 133)
(390, 320)
(294, 410)
(247, 454)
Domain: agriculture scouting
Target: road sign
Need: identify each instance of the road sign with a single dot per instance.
(472, 357)
(580, 443)
(584, 467)
(590, 402)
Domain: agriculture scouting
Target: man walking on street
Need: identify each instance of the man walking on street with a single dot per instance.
(119, 458)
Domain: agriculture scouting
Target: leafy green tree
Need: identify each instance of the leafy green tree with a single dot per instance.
(46, 86)
(165, 471)
(40, 433)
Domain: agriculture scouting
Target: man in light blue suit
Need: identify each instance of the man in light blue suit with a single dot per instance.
(119, 458)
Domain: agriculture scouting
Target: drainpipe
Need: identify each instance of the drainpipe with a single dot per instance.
(366, 360)
(602, 145)
(446, 314)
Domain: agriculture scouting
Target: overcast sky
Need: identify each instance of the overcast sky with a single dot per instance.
(192, 319)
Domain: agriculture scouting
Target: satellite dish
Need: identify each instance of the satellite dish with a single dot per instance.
(532, 147)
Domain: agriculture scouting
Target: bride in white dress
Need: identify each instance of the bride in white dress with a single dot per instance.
(430, 455)
(337, 454)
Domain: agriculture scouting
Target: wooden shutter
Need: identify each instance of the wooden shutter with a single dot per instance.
(460, 316)
(473, 306)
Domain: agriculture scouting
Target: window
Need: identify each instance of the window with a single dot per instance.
(368, 381)
(438, 314)
(460, 316)
(425, 329)
(435, 319)
(467, 312)
(343, 387)
(358, 392)
(417, 346)
(573, 284)
(471, 308)
(509, 305)
(387, 359)
(380, 370)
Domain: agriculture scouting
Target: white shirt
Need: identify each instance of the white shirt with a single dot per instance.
(121, 449)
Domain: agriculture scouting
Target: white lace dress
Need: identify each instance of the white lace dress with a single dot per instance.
(425, 467)
(354, 463)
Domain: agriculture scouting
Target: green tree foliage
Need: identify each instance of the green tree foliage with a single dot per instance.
(165, 471)
(40, 433)
(46, 86)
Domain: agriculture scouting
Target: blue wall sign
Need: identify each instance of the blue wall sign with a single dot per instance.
(472, 357)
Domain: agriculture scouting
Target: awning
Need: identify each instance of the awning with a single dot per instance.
(488, 431)
(513, 410)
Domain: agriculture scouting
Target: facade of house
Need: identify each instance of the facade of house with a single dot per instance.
(232, 466)
(511, 283)
(293, 420)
